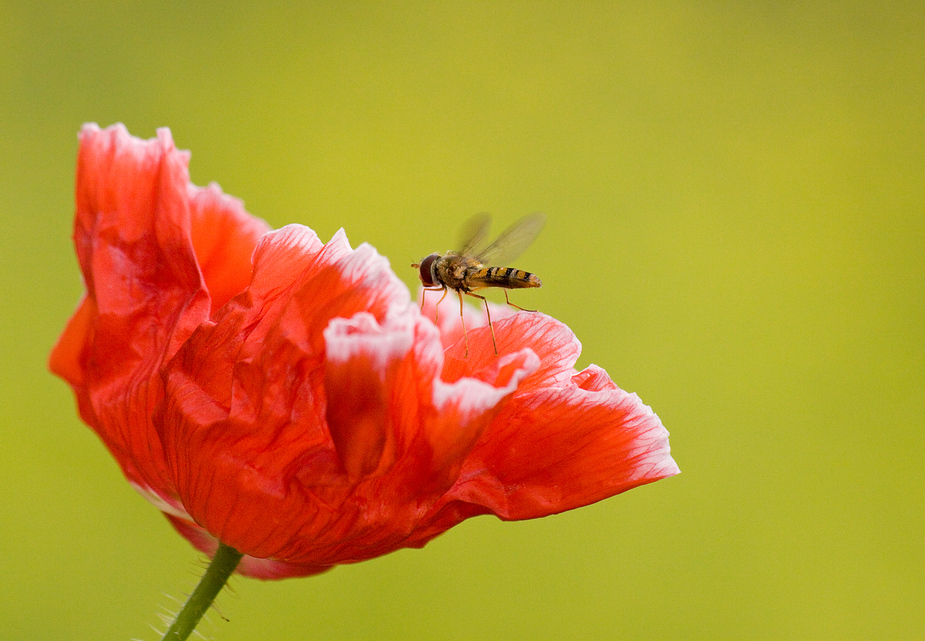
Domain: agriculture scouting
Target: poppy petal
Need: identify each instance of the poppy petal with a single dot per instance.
(144, 292)
(557, 449)
(224, 236)
(555, 345)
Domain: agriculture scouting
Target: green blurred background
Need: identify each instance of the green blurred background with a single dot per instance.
(735, 197)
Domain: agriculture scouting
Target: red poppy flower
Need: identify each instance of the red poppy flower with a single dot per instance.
(287, 398)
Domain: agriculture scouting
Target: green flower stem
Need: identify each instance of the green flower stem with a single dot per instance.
(224, 562)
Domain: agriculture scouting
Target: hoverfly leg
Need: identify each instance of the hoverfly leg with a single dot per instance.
(517, 306)
(488, 313)
(437, 306)
(463, 321)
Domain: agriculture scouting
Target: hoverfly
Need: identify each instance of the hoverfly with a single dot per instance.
(465, 270)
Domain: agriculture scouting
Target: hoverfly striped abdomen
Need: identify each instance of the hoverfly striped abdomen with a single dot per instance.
(506, 277)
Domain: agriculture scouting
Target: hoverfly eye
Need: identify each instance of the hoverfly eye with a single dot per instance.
(427, 273)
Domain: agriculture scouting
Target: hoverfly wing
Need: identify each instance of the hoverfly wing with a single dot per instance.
(512, 241)
(473, 233)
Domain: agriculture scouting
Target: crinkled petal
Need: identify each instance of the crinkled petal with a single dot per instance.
(244, 417)
(144, 292)
(413, 456)
(557, 449)
(150, 245)
(319, 454)
(392, 418)
(224, 236)
(555, 345)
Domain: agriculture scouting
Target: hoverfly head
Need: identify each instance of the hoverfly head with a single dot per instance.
(427, 270)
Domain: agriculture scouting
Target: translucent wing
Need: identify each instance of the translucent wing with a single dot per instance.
(473, 233)
(512, 241)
